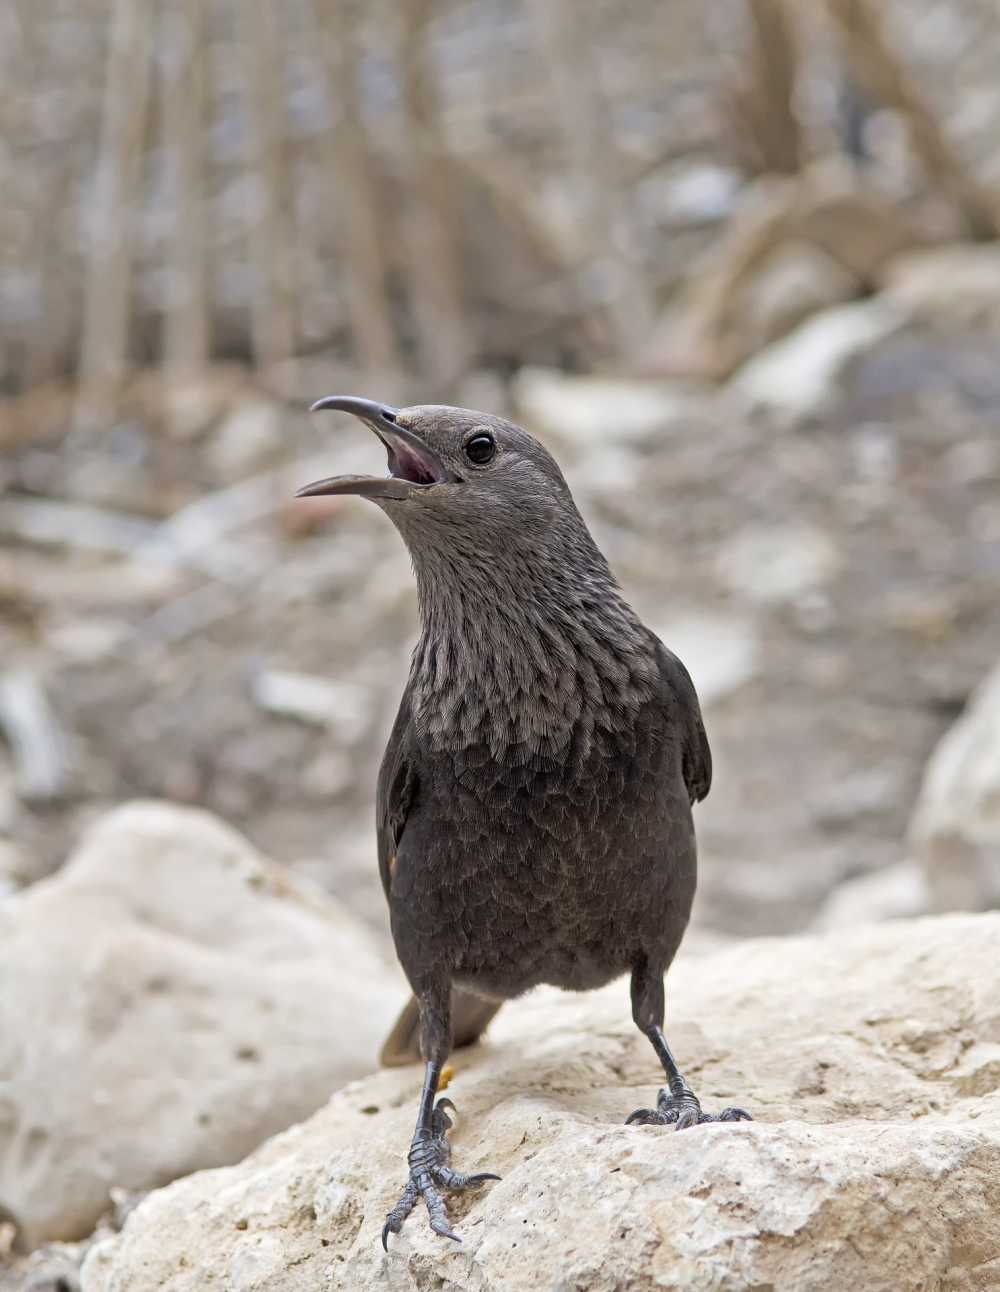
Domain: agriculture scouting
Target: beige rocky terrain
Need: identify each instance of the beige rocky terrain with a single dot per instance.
(870, 1059)
(170, 999)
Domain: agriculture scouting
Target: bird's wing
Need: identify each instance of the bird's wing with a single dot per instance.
(696, 756)
(396, 793)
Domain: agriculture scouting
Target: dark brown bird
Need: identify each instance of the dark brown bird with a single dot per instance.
(534, 803)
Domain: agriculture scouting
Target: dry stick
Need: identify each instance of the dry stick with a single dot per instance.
(595, 168)
(104, 355)
(555, 300)
(432, 224)
(859, 229)
(758, 103)
(47, 191)
(186, 328)
(272, 323)
(357, 199)
(879, 70)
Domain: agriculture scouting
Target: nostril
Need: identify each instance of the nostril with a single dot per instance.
(388, 415)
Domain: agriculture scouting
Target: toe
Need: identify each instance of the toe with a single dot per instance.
(450, 1179)
(644, 1117)
(735, 1115)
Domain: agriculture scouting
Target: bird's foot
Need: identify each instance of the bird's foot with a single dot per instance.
(430, 1171)
(682, 1111)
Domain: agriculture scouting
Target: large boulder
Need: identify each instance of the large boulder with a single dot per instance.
(871, 1060)
(170, 999)
(955, 830)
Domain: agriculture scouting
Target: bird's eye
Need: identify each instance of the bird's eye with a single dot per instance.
(481, 449)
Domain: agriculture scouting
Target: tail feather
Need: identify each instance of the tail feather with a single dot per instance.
(470, 1016)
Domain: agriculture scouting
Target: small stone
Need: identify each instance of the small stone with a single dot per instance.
(775, 563)
(955, 830)
(956, 283)
(346, 707)
(893, 893)
(798, 374)
(719, 651)
(248, 441)
(696, 195)
(584, 411)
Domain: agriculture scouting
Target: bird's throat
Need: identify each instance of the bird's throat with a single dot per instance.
(519, 661)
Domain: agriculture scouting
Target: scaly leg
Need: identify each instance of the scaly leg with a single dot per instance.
(681, 1107)
(430, 1153)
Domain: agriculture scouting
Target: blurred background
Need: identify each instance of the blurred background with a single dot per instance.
(736, 262)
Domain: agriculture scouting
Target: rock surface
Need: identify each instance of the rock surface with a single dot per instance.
(797, 375)
(892, 893)
(956, 824)
(871, 1060)
(169, 1000)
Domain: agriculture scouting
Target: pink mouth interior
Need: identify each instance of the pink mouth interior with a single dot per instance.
(407, 464)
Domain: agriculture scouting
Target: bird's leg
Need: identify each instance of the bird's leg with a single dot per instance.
(680, 1108)
(430, 1153)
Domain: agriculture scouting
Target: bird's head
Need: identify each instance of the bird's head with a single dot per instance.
(453, 469)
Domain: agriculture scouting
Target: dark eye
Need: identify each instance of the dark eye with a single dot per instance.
(481, 449)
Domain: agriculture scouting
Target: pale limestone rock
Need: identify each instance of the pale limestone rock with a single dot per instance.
(957, 283)
(893, 893)
(249, 440)
(795, 282)
(773, 563)
(720, 651)
(956, 824)
(585, 412)
(797, 375)
(169, 1000)
(870, 1059)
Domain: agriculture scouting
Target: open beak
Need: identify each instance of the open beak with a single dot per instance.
(412, 465)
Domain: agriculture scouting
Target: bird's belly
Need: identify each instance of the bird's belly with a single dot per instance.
(573, 918)
(570, 887)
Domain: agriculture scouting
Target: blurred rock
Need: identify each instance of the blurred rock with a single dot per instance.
(585, 412)
(248, 441)
(695, 195)
(16, 870)
(955, 828)
(191, 405)
(797, 375)
(868, 1059)
(36, 737)
(797, 280)
(774, 563)
(957, 284)
(345, 707)
(170, 999)
(896, 892)
(718, 650)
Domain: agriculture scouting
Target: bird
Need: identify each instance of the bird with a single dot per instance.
(534, 803)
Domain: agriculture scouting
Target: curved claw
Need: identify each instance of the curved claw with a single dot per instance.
(643, 1117)
(682, 1112)
(456, 1180)
(430, 1171)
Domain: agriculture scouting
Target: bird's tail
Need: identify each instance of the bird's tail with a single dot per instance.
(470, 1016)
